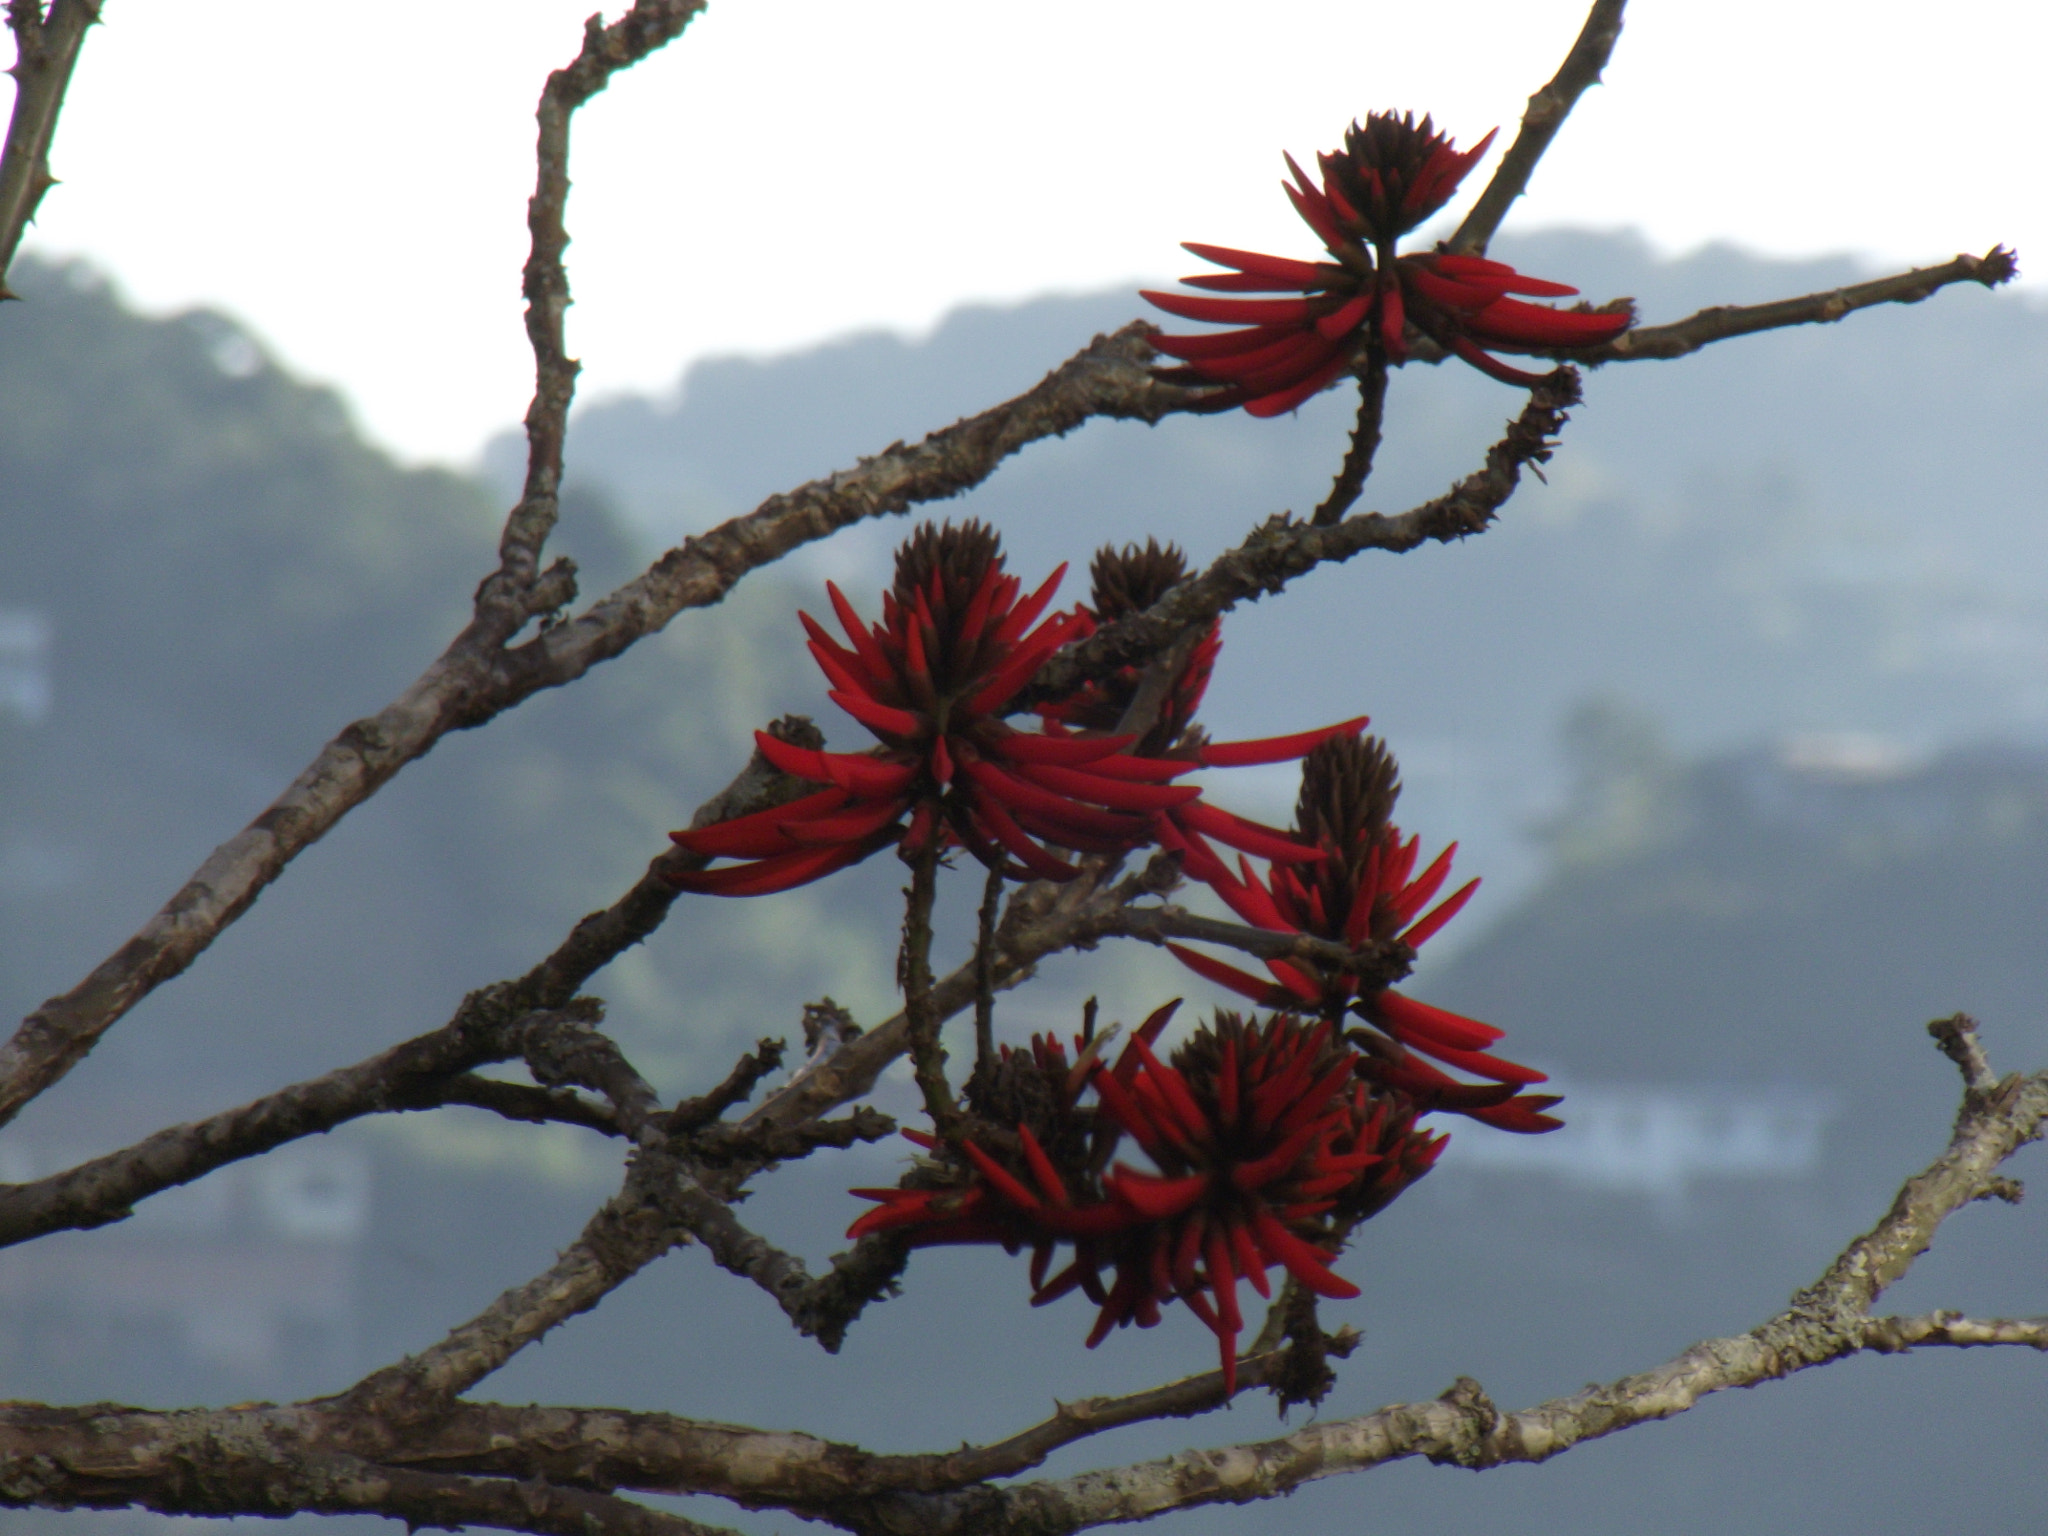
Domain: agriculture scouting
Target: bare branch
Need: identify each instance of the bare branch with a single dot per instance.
(738, 1087)
(1365, 440)
(1280, 549)
(1957, 1037)
(523, 1102)
(514, 593)
(241, 1462)
(1110, 377)
(1548, 109)
(414, 1075)
(1996, 266)
(45, 53)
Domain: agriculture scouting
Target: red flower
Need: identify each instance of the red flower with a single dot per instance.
(1392, 174)
(1126, 582)
(932, 681)
(1266, 1142)
(1267, 1145)
(1043, 1187)
(1123, 582)
(1365, 890)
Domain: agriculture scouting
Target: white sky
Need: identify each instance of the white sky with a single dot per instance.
(795, 169)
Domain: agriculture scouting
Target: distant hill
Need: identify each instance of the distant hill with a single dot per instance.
(1836, 528)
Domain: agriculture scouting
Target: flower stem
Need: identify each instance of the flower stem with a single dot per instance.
(1365, 440)
(985, 977)
(920, 1012)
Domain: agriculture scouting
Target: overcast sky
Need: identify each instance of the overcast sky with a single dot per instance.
(351, 181)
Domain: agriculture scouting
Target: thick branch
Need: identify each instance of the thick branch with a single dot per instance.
(414, 1075)
(1548, 109)
(45, 53)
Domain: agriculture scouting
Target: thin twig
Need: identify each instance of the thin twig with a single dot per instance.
(46, 51)
(1547, 111)
(914, 974)
(985, 976)
(1281, 549)
(413, 1075)
(1996, 266)
(1365, 440)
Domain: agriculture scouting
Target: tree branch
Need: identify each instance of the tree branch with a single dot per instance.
(1548, 109)
(414, 1075)
(515, 592)
(45, 53)
(1996, 266)
(1279, 550)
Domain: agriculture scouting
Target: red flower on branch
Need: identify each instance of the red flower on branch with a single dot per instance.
(1129, 581)
(1266, 1146)
(1365, 890)
(1045, 1187)
(932, 681)
(1123, 582)
(1391, 175)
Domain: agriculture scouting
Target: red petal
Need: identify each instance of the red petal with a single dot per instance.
(759, 833)
(1264, 993)
(1447, 909)
(1301, 273)
(1233, 311)
(1414, 1021)
(1308, 1264)
(764, 877)
(880, 718)
(1000, 1178)
(1030, 747)
(1223, 343)
(1153, 1197)
(998, 824)
(1492, 366)
(1122, 795)
(1288, 399)
(1249, 836)
(1276, 749)
(1511, 323)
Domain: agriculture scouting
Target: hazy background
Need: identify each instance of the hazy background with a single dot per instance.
(1742, 717)
(794, 170)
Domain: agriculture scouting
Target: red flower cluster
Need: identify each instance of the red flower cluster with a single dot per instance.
(1126, 582)
(1392, 174)
(932, 681)
(1123, 582)
(1365, 890)
(1266, 1143)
